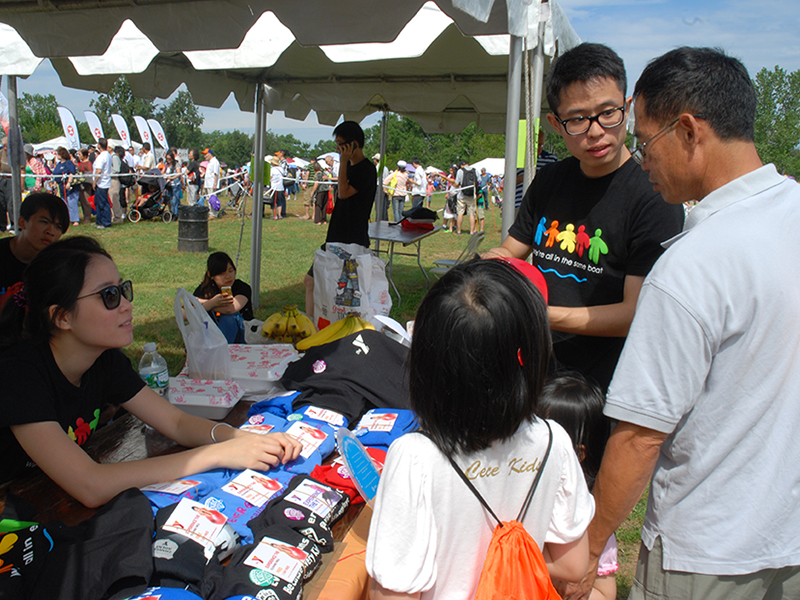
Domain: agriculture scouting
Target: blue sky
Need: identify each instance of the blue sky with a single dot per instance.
(761, 33)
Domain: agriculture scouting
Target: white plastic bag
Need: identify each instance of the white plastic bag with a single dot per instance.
(348, 278)
(207, 355)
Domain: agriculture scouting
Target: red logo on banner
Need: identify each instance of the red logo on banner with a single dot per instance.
(97, 132)
(70, 130)
(160, 137)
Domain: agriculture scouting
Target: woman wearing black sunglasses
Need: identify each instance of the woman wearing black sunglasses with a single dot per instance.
(61, 363)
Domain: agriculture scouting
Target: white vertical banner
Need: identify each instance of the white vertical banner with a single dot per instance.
(158, 132)
(122, 130)
(4, 114)
(95, 126)
(144, 130)
(70, 127)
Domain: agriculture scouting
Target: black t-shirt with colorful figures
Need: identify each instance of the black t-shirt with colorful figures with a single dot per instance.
(35, 391)
(587, 235)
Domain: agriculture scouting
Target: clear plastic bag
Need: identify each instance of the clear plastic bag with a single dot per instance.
(207, 354)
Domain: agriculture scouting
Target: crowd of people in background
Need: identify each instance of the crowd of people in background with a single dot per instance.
(127, 178)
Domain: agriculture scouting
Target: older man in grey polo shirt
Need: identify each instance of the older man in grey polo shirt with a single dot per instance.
(706, 387)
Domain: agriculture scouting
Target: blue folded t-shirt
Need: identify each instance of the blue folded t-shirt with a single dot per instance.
(193, 487)
(239, 511)
(279, 405)
(379, 427)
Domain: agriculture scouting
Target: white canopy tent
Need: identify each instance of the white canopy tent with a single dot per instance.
(62, 141)
(493, 166)
(431, 72)
(414, 59)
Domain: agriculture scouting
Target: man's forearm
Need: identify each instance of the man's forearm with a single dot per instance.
(344, 189)
(606, 320)
(628, 464)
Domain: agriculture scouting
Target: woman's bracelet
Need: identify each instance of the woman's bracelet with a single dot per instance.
(213, 439)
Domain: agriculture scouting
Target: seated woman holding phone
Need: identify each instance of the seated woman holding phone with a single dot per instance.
(226, 298)
(61, 364)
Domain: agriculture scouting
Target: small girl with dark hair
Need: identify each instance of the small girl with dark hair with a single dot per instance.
(227, 299)
(61, 364)
(573, 402)
(478, 360)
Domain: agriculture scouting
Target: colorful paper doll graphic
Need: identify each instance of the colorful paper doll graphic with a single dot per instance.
(567, 238)
(582, 240)
(597, 247)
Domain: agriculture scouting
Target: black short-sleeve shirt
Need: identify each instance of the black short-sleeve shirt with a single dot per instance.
(35, 391)
(11, 268)
(350, 217)
(239, 288)
(587, 235)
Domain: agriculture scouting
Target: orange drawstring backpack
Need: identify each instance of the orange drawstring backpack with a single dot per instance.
(514, 568)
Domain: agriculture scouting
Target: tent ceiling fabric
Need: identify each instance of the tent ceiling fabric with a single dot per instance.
(49, 27)
(431, 71)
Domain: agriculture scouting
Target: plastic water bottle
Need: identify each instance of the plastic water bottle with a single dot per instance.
(153, 369)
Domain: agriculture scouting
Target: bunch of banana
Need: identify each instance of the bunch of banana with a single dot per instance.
(335, 331)
(288, 326)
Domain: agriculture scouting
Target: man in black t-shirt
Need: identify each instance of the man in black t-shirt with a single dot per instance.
(43, 218)
(592, 222)
(355, 194)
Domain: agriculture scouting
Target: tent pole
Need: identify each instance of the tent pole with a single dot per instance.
(256, 172)
(536, 100)
(13, 151)
(512, 131)
(382, 162)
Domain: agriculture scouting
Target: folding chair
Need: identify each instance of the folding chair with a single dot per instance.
(443, 265)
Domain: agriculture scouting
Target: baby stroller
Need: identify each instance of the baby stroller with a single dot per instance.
(153, 203)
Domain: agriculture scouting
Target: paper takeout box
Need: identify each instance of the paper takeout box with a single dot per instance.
(209, 398)
(257, 368)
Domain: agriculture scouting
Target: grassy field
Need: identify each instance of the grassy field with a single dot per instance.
(147, 253)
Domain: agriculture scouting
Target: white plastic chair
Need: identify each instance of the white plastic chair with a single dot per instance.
(443, 265)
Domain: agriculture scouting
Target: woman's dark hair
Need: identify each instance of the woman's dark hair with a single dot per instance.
(576, 404)
(479, 356)
(62, 152)
(53, 278)
(216, 264)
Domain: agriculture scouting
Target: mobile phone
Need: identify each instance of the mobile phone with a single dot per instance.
(226, 290)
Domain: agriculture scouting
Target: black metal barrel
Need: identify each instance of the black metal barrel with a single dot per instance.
(193, 228)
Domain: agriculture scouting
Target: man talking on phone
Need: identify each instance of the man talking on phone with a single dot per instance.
(355, 194)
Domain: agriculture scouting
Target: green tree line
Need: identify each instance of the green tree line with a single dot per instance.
(777, 130)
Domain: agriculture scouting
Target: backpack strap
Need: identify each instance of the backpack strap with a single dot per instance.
(466, 480)
(527, 503)
(528, 498)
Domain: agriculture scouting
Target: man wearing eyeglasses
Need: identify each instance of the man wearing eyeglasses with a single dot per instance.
(710, 408)
(592, 222)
